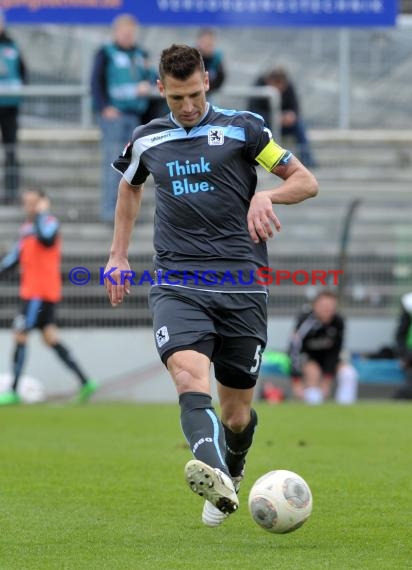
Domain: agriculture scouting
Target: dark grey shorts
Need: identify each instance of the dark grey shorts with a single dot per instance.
(34, 313)
(230, 328)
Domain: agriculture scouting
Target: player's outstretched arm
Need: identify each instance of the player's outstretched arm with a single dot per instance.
(11, 259)
(298, 184)
(127, 209)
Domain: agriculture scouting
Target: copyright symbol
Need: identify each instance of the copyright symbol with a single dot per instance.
(79, 275)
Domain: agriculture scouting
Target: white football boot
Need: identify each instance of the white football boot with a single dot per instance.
(216, 487)
(211, 516)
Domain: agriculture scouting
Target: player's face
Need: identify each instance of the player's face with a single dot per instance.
(325, 309)
(29, 202)
(186, 99)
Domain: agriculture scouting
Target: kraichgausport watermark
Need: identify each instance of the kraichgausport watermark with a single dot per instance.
(265, 276)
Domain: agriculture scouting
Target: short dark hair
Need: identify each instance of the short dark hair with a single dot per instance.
(325, 293)
(180, 61)
(277, 74)
(35, 190)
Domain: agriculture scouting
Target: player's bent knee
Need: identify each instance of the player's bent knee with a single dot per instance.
(20, 337)
(190, 371)
(238, 420)
(185, 381)
(312, 373)
(50, 339)
(312, 367)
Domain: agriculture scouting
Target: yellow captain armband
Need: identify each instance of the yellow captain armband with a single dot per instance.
(271, 155)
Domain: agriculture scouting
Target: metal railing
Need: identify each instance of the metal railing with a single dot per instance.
(372, 285)
(372, 290)
(79, 95)
(377, 62)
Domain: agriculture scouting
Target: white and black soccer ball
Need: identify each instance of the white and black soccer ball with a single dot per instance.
(280, 501)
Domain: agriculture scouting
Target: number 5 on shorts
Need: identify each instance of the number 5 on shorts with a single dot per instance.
(257, 359)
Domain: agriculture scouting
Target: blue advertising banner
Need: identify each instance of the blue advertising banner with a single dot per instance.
(276, 13)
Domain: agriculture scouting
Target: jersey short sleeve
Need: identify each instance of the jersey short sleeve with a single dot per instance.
(260, 146)
(129, 163)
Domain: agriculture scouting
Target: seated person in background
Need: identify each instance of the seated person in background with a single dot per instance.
(291, 122)
(404, 345)
(314, 351)
(212, 58)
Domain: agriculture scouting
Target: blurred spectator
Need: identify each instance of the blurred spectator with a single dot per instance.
(290, 121)
(121, 81)
(212, 57)
(13, 74)
(404, 345)
(38, 253)
(315, 354)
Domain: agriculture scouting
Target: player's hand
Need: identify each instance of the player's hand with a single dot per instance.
(117, 285)
(288, 118)
(261, 218)
(43, 205)
(110, 113)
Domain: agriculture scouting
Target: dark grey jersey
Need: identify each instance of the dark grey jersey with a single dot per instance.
(205, 178)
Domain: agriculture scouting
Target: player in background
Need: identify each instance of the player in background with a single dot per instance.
(315, 350)
(208, 216)
(38, 253)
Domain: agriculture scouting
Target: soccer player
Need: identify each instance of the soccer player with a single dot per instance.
(315, 348)
(208, 218)
(38, 253)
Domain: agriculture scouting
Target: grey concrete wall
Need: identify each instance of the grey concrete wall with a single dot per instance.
(126, 364)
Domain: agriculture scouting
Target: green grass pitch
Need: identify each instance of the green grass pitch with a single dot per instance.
(101, 487)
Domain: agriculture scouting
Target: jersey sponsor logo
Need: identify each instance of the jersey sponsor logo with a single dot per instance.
(162, 336)
(179, 172)
(177, 168)
(186, 187)
(215, 137)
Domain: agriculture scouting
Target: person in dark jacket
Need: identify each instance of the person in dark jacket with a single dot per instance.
(13, 73)
(212, 58)
(403, 337)
(315, 348)
(122, 79)
(290, 121)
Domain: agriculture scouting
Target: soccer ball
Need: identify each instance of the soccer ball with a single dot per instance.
(280, 501)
